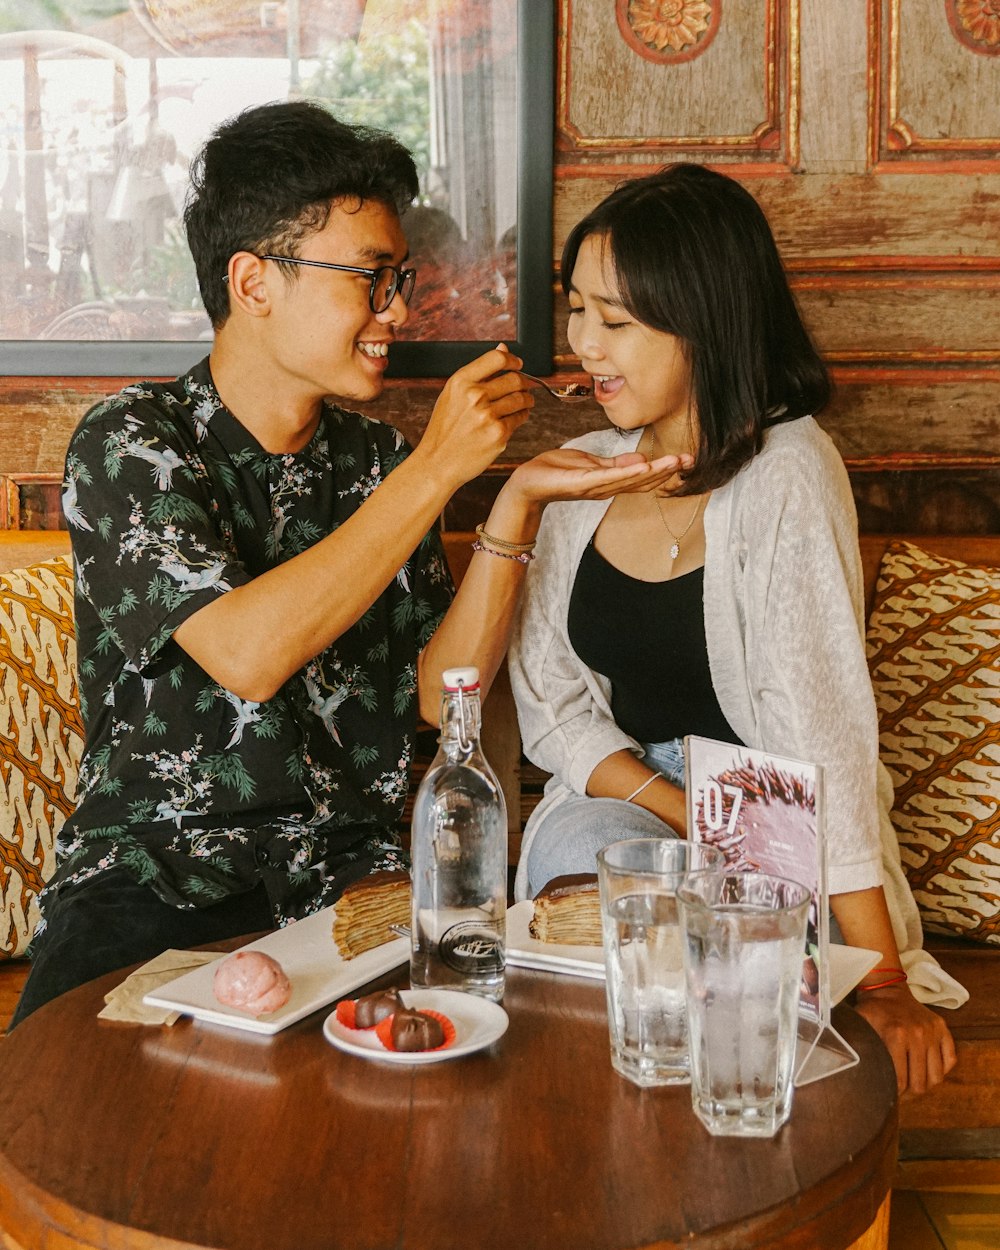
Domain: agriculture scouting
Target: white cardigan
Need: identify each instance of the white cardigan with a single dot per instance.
(784, 622)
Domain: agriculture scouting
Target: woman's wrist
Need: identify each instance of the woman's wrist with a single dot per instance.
(514, 518)
(661, 797)
(896, 992)
(888, 976)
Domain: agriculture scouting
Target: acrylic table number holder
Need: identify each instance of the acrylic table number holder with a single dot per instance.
(765, 813)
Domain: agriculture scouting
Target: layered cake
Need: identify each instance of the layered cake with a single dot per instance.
(367, 908)
(568, 911)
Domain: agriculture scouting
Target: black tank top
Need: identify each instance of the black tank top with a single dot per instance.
(648, 639)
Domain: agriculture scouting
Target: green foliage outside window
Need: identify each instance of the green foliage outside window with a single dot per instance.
(385, 84)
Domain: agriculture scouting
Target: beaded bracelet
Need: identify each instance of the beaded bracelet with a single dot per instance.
(522, 557)
(502, 543)
(648, 782)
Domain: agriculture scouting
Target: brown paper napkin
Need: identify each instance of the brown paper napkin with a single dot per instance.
(124, 1002)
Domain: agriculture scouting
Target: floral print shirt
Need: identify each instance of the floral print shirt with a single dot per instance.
(171, 503)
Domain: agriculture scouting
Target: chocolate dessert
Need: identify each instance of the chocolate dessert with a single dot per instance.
(568, 911)
(368, 1011)
(415, 1030)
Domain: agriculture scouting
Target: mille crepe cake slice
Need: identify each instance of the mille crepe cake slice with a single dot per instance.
(366, 909)
(568, 911)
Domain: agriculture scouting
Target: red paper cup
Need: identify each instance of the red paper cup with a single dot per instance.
(345, 1013)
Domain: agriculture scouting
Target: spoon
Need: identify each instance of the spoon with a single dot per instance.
(572, 393)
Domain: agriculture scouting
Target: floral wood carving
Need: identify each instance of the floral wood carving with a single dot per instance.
(976, 24)
(668, 31)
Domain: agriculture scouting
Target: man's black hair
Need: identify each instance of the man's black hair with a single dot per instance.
(267, 179)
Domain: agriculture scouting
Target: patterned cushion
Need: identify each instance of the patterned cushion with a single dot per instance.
(41, 737)
(934, 654)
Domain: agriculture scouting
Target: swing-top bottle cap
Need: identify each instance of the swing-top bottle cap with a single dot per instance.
(461, 678)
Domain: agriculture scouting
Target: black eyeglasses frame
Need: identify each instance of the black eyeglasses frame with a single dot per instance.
(403, 280)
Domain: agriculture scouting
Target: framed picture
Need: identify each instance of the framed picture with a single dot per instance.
(112, 100)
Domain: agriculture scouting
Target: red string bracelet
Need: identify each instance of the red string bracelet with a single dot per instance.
(899, 979)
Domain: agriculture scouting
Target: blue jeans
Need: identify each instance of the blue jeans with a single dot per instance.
(568, 839)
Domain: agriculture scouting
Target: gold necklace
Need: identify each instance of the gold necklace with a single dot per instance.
(675, 546)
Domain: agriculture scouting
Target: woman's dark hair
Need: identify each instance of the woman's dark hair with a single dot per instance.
(267, 178)
(694, 256)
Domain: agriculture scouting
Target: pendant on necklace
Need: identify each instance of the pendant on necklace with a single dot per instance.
(674, 550)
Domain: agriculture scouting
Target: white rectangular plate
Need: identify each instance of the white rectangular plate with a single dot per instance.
(848, 964)
(309, 955)
(524, 951)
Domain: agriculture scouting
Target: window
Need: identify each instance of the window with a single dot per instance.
(103, 108)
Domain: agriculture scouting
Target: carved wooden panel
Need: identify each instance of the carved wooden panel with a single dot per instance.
(687, 76)
(938, 79)
(870, 134)
(928, 500)
(896, 319)
(845, 221)
(921, 444)
(907, 318)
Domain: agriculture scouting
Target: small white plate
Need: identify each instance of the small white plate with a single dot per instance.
(477, 1021)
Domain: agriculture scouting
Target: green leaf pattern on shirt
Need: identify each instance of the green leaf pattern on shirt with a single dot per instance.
(193, 790)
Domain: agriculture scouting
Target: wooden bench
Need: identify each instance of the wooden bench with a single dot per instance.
(950, 1136)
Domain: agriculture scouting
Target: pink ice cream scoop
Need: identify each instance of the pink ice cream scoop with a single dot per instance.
(251, 981)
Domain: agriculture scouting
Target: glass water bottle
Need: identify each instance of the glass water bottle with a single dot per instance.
(459, 851)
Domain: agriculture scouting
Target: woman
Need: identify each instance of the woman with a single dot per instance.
(731, 608)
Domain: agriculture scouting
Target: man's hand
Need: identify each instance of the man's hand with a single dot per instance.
(918, 1040)
(479, 408)
(566, 473)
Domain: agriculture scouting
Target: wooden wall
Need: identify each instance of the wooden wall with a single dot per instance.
(870, 132)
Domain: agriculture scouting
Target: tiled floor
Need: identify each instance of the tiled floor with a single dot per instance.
(940, 1220)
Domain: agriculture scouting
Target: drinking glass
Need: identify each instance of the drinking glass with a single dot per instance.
(647, 1020)
(744, 942)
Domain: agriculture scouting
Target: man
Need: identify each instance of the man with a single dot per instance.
(262, 603)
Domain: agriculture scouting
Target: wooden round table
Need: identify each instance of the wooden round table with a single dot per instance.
(132, 1137)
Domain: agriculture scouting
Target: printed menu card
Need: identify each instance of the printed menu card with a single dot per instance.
(765, 813)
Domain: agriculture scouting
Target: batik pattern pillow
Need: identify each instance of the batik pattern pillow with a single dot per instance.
(934, 655)
(41, 737)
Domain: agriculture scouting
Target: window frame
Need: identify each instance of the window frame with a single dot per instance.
(154, 358)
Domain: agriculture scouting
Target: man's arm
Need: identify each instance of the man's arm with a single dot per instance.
(253, 638)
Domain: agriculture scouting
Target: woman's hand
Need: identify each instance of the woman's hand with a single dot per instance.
(918, 1040)
(566, 473)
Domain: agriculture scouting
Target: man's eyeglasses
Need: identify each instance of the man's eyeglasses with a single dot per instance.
(386, 281)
